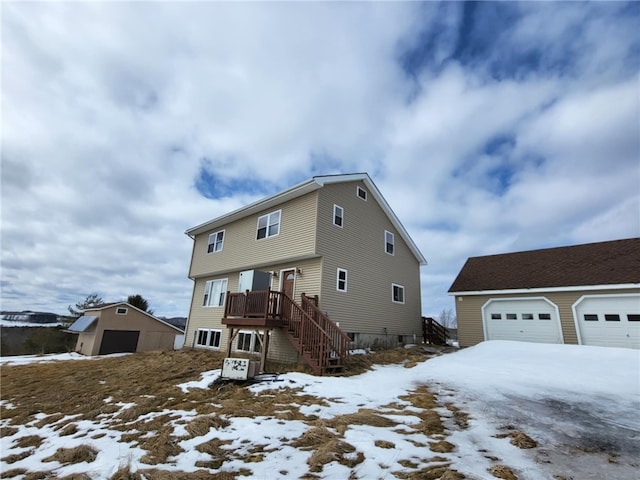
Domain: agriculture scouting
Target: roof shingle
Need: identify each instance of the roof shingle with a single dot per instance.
(605, 263)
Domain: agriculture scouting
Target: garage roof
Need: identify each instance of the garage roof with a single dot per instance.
(82, 324)
(605, 263)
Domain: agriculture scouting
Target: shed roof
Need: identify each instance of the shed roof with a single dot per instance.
(303, 188)
(82, 324)
(106, 306)
(614, 262)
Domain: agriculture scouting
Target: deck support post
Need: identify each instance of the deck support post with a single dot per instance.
(265, 350)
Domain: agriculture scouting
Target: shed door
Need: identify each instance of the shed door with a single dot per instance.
(524, 320)
(119, 341)
(609, 321)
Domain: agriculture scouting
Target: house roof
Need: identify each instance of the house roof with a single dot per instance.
(105, 306)
(615, 262)
(303, 188)
(82, 324)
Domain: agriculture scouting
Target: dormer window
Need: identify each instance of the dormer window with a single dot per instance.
(362, 193)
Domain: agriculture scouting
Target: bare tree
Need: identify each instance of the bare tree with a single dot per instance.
(92, 300)
(447, 318)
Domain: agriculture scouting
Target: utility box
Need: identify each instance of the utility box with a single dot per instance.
(240, 368)
(254, 280)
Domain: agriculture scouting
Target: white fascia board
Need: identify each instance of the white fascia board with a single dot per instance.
(576, 288)
(306, 187)
(265, 203)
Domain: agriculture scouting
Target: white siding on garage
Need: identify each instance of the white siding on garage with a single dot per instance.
(608, 320)
(524, 320)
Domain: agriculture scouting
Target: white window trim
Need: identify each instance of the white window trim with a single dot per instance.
(210, 332)
(268, 215)
(214, 242)
(346, 280)
(252, 343)
(120, 312)
(335, 208)
(393, 286)
(393, 242)
(206, 300)
(360, 189)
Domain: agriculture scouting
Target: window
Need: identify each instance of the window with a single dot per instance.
(496, 316)
(338, 215)
(544, 316)
(214, 293)
(633, 317)
(362, 193)
(512, 316)
(612, 317)
(121, 311)
(215, 242)
(208, 338)
(341, 285)
(249, 342)
(589, 317)
(398, 293)
(269, 225)
(389, 242)
(527, 316)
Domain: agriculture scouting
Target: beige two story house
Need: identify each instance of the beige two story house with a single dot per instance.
(326, 259)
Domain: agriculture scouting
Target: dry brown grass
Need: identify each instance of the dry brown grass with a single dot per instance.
(79, 454)
(17, 457)
(442, 446)
(519, 439)
(461, 418)
(362, 417)
(384, 444)
(502, 471)
(28, 441)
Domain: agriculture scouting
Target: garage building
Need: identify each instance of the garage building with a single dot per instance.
(121, 328)
(583, 294)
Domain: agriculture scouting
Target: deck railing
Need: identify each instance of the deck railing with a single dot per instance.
(314, 334)
(338, 340)
(434, 332)
(261, 303)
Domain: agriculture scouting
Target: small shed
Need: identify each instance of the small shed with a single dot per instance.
(122, 328)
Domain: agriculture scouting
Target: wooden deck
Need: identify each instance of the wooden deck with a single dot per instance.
(314, 335)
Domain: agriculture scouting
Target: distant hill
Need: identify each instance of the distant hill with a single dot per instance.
(180, 322)
(27, 316)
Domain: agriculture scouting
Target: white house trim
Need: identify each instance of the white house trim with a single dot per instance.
(575, 288)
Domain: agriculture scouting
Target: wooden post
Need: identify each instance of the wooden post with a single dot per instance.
(231, 337)
(265, 349)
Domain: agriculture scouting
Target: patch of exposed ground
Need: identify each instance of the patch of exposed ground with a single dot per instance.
(137, 396)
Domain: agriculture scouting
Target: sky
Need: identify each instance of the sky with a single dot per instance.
(575, 401)
(488, 127)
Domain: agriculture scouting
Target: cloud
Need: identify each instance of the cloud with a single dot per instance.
(488, 127)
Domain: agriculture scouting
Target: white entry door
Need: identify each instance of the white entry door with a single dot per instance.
(524, 320)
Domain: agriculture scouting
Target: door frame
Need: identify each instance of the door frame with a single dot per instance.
(282, 279)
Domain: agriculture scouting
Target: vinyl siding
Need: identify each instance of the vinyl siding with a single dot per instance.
(154, 335)
(359, 247)
(241, 250)
(308, 281)
(469, 312)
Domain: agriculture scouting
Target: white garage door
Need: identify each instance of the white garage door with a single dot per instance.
(609, 321)
(525, 320)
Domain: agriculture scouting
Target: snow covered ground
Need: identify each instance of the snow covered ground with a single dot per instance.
(580, 404)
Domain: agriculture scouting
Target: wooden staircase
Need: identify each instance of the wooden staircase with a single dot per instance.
(320, 342)
(433, 332)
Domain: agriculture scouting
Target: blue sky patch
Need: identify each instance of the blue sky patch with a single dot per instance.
(214, 186)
